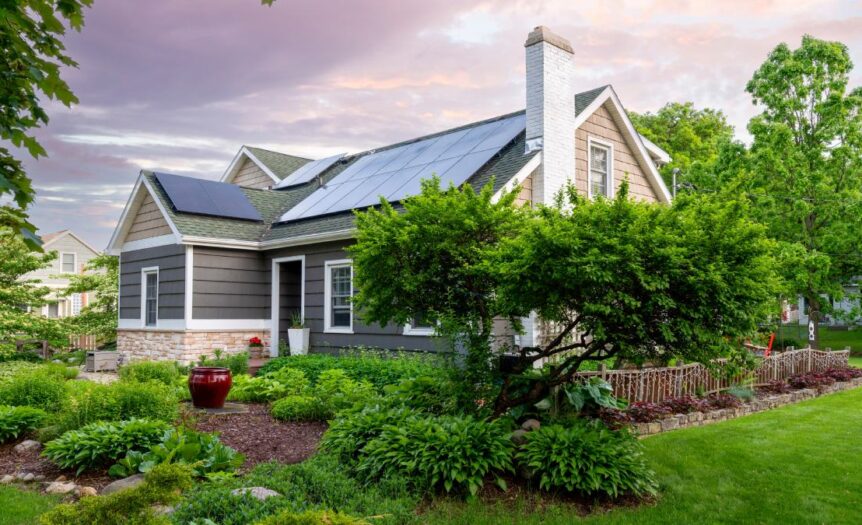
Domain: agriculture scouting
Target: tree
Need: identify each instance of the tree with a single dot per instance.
(99, 317)
(692, 137)
(17, 293)
(806, 165)
(619, 278)
(31, 55)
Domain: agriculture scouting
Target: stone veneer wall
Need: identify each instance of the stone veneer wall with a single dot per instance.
(186, 346)
(697, 419)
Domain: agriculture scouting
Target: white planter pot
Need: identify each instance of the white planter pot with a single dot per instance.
(297, 338)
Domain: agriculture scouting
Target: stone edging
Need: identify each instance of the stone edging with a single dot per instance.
(697, 419)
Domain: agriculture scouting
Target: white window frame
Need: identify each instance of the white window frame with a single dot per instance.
(144, 273)
(327, 297)
(421, 331)
(76, 302)
(598, 143)
(74, 262)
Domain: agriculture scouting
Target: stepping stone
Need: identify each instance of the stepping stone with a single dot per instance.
(60, 487)
(260, 493)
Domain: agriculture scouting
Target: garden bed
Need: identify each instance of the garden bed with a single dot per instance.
(261, 438)
(31, 462)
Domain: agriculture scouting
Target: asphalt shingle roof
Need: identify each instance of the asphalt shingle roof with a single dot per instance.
(280, 164)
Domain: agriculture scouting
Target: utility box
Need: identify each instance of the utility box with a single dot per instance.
(101, 361)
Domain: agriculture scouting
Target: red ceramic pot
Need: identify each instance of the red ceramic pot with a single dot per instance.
(209, 386)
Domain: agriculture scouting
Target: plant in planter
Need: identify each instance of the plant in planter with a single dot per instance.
(298, 335)
(254, 345)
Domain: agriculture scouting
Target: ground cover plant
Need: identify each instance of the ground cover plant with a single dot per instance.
(16, 421)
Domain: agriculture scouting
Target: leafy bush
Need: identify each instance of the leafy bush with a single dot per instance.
(299, 408)
(685, 405)
(741, 392)
(164, 372)
(379, 368)
(722, 400)
(152, 400)
(587, 458)
(351, 431)
(776, 386)
(590, 396)
(318, 483)
(448, 452)
(37, 388)
(12, 369)
(15, 421)
(203, 452)
(99, 444)
(338, 391)
(428, 394)
(311, 517)
(162, 486)
(261, 389)
(843, 374)
(238, 363)
(644, 411)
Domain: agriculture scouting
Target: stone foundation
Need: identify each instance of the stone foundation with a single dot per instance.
(187, 346)
(697, 419)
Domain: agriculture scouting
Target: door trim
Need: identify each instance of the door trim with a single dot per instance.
(275, 297)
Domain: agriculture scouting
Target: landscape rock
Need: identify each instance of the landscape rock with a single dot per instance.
(519, 437)
(123, 484)
(259, 493)
(61, 478)
(60, 487)
(87, 492)
(27, 446)
(163, 510)
(7, 479)
(531, 424)
(26, 476)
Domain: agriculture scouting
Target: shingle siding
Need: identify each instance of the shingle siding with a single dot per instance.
(250, 175)
(171, 261)
(149, 221)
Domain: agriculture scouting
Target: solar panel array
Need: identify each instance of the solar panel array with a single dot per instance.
(308, 171)
(205, 197)
(396, 173)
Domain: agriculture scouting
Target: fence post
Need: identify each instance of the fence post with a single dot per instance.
(603, 369)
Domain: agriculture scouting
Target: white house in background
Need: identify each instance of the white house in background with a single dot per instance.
(847, 309)
(73, 254)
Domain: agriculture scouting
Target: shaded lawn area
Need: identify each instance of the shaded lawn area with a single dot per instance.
(22, 507)
(829, 337)
(856, 361)
(796, 464)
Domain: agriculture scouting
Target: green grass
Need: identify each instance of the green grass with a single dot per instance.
(797, 464)
(22, 507)
(856, 361)
(829, 337)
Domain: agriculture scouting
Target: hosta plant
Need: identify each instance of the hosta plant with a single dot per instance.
(15, 421)
(587, 458)
(350, 432)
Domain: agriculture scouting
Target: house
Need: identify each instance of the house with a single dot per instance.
(845, 313)
(207, 265)
(73, 254)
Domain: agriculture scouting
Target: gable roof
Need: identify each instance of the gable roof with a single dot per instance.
(50, 238)
(276, 165)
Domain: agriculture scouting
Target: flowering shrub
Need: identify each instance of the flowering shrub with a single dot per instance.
(255, 342)
(811, 380)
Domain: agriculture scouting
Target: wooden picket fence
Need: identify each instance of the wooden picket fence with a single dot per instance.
(82, 342)
(657, 384)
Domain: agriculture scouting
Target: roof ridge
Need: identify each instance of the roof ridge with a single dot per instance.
(277, 152)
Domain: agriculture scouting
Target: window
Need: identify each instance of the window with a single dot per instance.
(53, 310)
(600, 169)
(150, 297)
(419, 325)
(339, 292)
(68, 263)
(76, 303)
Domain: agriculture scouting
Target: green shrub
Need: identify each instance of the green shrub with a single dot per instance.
(587, 458)
(15, 421)
(151, 400)
(448, 452)
(380, 368)
(215, 502)
(37, 388)
(164, 372)
(238, 363)
(338, 391)
(351, 431)
(299, 408)
(203, 452)
(162, 486)
(311, 517)
(428, 394)
(261, 389)
(99, 444)
(741, 392)
(294, 380)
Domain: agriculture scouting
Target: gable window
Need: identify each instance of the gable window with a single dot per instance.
(419, 325)
(601, 159)
(338, 311)
(150, 296)
(67, 261)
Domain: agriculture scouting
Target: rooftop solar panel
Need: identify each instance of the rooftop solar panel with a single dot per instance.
(205, 197)
(396, 173)
(308, 171)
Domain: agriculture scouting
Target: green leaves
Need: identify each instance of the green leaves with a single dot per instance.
(15, 421)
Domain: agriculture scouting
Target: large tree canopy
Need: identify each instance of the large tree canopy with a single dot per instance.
(806, 165)
(31, 57)
(101, 281)
(618, 278)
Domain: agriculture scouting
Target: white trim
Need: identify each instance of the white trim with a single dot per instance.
(327, 297)
(74, 263)
(233, 168)
(410, 330)
(602, 144)
(645, 159)
(655, 150)
(275, 295)
(519, 177)
(144, 272)
(312, 238)
(220, 243)
(189, 290)
(151, 242)
(219, 325)
(70, 232)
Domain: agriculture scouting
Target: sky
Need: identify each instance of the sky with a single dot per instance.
(180, 86)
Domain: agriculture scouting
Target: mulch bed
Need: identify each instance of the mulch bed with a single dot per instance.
(31, 462)
(261, 438)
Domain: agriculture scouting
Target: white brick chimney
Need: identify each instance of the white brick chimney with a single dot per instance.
(550, 110)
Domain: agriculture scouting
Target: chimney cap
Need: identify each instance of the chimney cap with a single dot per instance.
(543, 34)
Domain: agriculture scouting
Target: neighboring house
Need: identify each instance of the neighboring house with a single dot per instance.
(73, 254)
(268, 241)
(846, 312)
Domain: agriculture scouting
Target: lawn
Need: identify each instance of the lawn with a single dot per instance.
(23, 507)
(829, 337)
(797, 464)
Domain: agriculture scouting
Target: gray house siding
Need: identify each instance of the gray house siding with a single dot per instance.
(171, 261)
(374, 335)
(230, 284)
